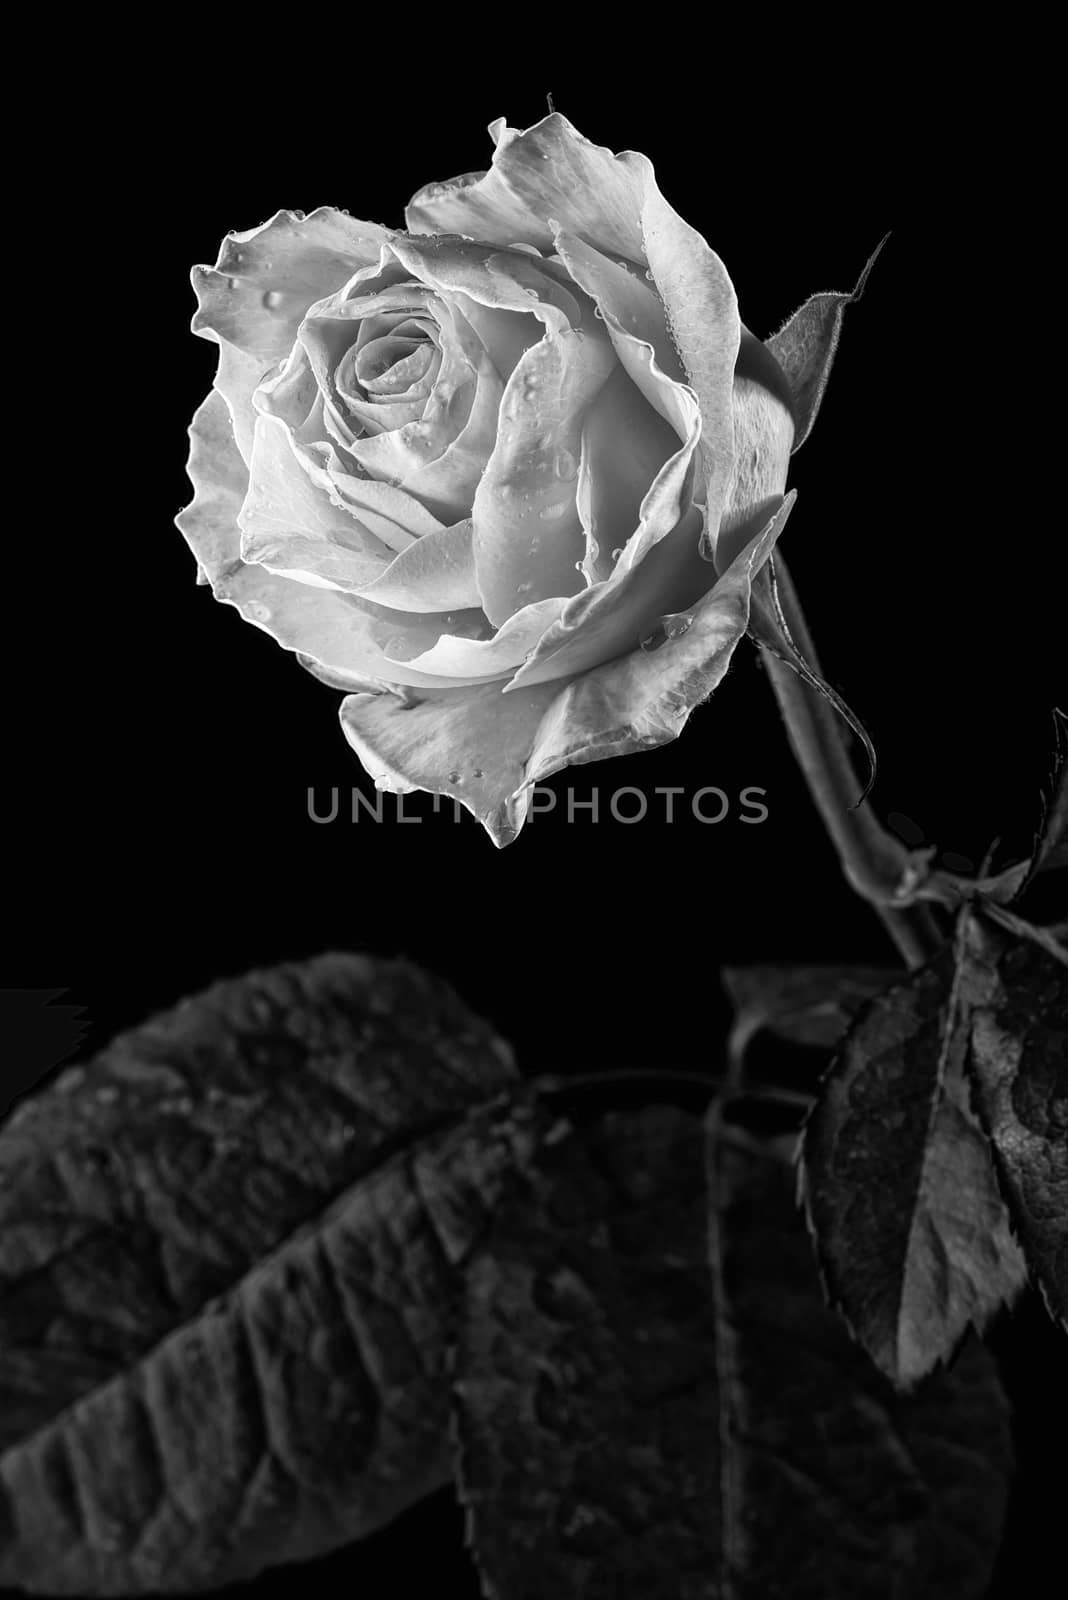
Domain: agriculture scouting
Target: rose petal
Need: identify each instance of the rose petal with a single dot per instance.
(440, 458)
(528, 536)
(253, 299)
(453, 657)
(332, 326)
(548, 171)
(285, 516)
(702, 311)
(636, 322)
(644, 699)
(504, 335)
(598, 624)
(341, 635)
(625, 443)
(472, 745)
(506, 280)
(436, 573)
(610, 620)
(291, 400)
(624, 296)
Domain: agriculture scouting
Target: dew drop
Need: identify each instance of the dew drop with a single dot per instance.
(550, 513)
(476, 772)
(272, 299)
(523, 588)
(617, 552)
(260, 612)
(564, 464)
(234, 283)
(598, 312)
(456, 777)
(580, 566)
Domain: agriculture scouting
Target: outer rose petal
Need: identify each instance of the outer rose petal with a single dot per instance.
(702, 311)
(345, 639)
(253, 299)
(549, 170)
(644, 699)
(472, 744)
(487, 749)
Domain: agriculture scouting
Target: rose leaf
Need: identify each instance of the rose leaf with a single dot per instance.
(897, 1177)
(228, 1248)
(1018, 1063)
(629, 1423)
(1051, 837)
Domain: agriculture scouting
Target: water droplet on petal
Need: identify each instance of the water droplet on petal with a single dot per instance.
(523, 588)
(552, 512)
(580, 566)
(272, 299)
(456, 777)
(476, 772)
(675, 627)
(261, 612)
(564, 464)
(233, 283)
(617, 552)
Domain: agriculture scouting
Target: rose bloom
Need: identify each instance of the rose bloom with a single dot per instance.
(506, 477)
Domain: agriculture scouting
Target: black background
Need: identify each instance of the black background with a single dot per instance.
(158, 818)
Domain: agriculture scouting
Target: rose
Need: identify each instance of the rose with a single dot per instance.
(506, 477)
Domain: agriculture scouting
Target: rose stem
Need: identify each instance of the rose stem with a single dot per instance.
(873, 861)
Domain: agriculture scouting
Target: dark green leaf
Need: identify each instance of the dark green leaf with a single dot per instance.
(228, 1248)
(805, 345)
(912, 1233)
(630, 1425)
(802, 1005)
(1018, 1062)
(1051, 839)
